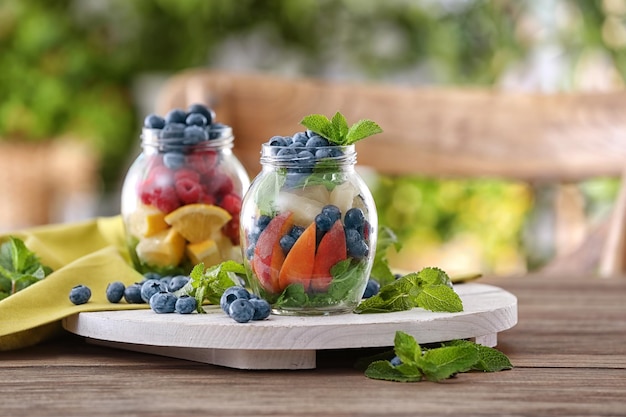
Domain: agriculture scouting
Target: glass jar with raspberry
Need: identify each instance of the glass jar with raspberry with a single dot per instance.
(181, 197)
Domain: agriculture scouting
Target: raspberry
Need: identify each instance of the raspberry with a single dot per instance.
(231, 230)
(187, 173)
(203, 162)
(165, 199)
(232, 204)
(206, 198)
(218, 183)
(188, 190)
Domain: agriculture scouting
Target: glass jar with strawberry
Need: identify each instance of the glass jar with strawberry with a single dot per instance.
(309, 222)
(181, 197)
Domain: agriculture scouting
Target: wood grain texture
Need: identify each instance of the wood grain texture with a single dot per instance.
(430, 131)
(567, 348)
(280, 341)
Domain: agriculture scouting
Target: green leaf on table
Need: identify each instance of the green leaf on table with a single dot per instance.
(385, 371)
(19, 267)
(489, 359)
(435, 364)
(434, 276)
(439, 298)
(210, 284)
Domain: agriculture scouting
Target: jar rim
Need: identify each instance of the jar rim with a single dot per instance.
(224, 133)
(270, 155)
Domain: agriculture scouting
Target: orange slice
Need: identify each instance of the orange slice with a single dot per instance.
(198, 222)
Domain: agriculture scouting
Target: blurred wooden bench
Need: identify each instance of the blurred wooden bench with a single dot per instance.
(440, 132)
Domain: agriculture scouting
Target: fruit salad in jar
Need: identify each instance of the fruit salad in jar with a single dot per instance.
(182, 196)
(308, 226)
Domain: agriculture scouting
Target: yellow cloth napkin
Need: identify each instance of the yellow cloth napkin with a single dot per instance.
(92, 253)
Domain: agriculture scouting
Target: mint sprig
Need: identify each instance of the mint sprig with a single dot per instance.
(19, 267)
(337, 131)
(430, 289)
(209, 285)
(380, 268)
(436, 364)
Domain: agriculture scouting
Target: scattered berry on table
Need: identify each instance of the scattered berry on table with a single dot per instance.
(231, 294)
(151, 275)
(163, 302)
(115, 291)
(241, 310)
(262, 308)
(177, 282)
(185, 305)
(151, 287)
(132, 294)
(80, 294)
(372, 288)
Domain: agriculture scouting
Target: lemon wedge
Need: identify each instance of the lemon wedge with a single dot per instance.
(198, 222)
(207, 252)
(165, 248)
(147, 221)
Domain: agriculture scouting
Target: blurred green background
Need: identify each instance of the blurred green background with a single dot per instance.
(89, 69)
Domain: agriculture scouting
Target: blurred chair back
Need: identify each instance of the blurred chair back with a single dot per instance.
(439, 132)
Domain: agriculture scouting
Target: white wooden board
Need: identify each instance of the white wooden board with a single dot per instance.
(289, 342)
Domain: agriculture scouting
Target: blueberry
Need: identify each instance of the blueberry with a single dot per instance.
(306, 156)
(176, 116)
(250, 252)
(166, 280)
(263, 221)
(177, 282)
(218, 130)
(286, 243)
(115, 291)
(323, 222)
(395, 361)
(296, 231)
(154, 121)
(301, 138)
(151, 287)
(185, 305)
(203, 110)
(132, 294)
(174, 160)
(317, 142)
(151, 275)
(261, 307)
(241, 310)
(286, 153)
(80, 294)
(163, 302)
(322, 153)
(196, 119)
(332, 212)
(232, 294)
(277, 141)
(355, 219)
(194, 134)
(356, 246)
(335, 151)
(173, 131)
(372, 288)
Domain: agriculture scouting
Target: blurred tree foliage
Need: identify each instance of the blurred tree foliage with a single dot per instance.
(68, 67)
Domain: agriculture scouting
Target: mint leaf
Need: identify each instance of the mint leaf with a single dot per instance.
(320, 124)
(19, 267)
(361, 130)
(398, 295)
(266, 194)
(489, 359)
(385, 371)
(209, 285)
(441, 363)
(439, 298)
(380, 268)
(438, 363)
(434, 276)
(345, 275)
(292, 296)
(406, 348)
(337, 130)
(340, 126)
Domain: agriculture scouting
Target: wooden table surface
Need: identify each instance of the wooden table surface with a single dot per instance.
(568, 349)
